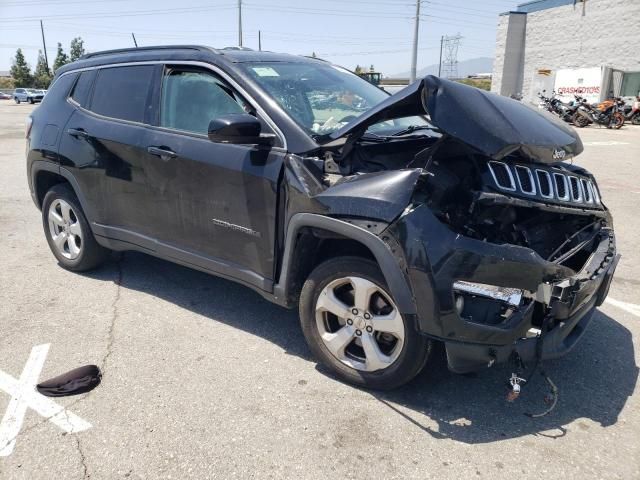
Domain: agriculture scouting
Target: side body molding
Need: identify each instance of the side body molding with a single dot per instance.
(395, 278)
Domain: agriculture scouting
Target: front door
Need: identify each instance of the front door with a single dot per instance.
(218, 200)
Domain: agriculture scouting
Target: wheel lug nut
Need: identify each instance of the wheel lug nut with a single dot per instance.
(367, 316)
(354, 311)
(349, 321)
(369, 328)
(358, 332)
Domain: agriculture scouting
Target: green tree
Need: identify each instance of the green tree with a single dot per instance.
(42, 74)
(61, 58)
(77, 49)
(7, 83)
(20, 70)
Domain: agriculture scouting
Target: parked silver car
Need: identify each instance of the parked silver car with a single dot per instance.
(30, 95)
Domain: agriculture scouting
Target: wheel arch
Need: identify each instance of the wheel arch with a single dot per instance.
(353, 240)
(45, 175)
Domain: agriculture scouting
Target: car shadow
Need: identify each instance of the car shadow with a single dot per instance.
(594, 381)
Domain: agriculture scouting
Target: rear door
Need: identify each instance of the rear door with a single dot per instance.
(104, 144)
(219, 200)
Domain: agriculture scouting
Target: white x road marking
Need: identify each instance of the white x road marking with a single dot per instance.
(24, 395)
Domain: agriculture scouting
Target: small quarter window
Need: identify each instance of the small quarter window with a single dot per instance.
(121, 92)
(82, 88)
(191, 99)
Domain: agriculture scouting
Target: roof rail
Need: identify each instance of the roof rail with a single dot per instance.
(148, 49)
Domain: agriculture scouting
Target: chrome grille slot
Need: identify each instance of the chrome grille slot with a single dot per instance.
(594, 192)
(562, 186)
(576, 191)
(525, 180)
(545, 187)
(502, 176)
(587, 194)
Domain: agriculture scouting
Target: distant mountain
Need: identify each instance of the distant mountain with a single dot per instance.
(465, 67)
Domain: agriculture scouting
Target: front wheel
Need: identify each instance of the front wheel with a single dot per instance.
(635, 120)
(617, 120)
(580, 120)
(68, 233)
(31, 101)
(353, 326)
(17, 100)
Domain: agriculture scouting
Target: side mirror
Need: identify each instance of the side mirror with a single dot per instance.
(238, 128)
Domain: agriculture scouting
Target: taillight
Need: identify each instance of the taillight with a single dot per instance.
(27, 127)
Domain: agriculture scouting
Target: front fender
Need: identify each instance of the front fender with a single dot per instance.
(396, 279)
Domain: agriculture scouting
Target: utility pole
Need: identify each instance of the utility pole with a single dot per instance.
(134, 40)
(259, 41)
(44, 46)
(440, 64)
(414, 55)
(240, 23)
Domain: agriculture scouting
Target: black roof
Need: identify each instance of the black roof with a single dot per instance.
(181, 52)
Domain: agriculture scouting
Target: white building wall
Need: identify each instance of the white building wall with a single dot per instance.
(561, 37)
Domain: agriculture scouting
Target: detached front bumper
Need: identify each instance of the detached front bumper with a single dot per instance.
(443, 257)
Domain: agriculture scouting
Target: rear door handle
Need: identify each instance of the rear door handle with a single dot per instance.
(162, 152)
(77, 132)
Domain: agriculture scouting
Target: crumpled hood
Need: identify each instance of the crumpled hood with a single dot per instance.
(494, 125)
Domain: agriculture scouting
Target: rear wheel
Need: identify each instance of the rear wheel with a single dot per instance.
(68, 233)
(354, 327)
(635, 120)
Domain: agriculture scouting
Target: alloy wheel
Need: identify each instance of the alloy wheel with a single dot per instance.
(65, 229)
(359, 324)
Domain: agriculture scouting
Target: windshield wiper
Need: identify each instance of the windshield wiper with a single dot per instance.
(411, 129)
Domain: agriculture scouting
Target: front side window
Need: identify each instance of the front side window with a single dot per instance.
(321, 97)
(192, 98)
(121, 92)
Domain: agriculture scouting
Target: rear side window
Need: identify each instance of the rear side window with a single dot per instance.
(191, 99)
(121, 92)
(82, 88)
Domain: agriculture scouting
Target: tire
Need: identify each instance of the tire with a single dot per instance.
(17, 100)
(31, 101)
(635, 120)
(341, 342)
(617, 120)
(580, 121)
(74, 245)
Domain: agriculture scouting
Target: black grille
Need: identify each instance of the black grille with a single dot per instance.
(561, 186)
(544, 182)
(588, 196)
(502, 175)
(576, 194)
(525, 180)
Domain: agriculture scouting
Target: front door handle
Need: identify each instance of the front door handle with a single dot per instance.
(162, 152)
(77, 132)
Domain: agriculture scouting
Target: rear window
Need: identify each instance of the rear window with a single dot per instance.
(81, 90)
(121, 92)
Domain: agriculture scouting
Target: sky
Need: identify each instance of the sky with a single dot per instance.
(346, 32)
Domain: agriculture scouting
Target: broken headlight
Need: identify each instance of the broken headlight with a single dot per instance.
(487, 304)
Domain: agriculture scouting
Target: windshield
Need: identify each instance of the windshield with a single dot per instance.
(321, 97)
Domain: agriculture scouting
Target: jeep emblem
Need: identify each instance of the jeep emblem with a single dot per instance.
(559, 154)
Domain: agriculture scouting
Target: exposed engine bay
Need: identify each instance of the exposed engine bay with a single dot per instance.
(554, 210)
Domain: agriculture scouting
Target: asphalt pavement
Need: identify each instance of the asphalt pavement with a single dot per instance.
(205, 379)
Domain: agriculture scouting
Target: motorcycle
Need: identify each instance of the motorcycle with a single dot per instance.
(554, 105)
(607, 113)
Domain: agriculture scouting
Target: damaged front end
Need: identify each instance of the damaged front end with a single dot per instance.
(493, 231)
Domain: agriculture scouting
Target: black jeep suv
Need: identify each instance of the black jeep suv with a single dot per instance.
(441, 213)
